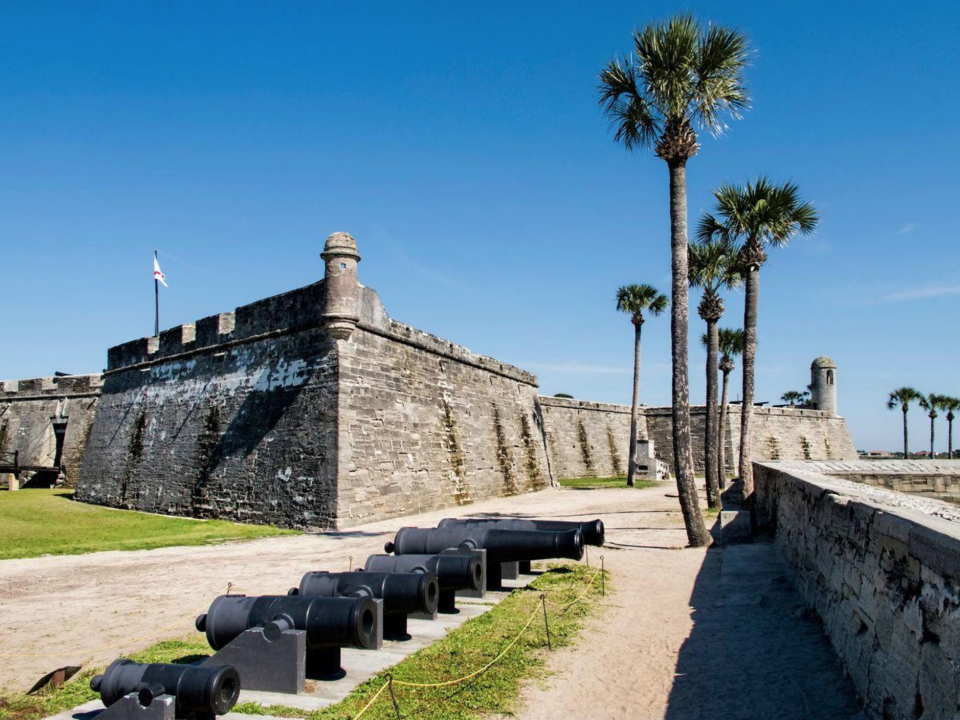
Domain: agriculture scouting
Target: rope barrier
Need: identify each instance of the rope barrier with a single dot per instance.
(390, 681)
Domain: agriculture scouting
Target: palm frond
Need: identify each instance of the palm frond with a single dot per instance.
(713, 264)
(635, 299)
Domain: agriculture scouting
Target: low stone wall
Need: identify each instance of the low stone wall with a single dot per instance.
(587, 439)
(34, 412)
(938, 479)
(882, 570)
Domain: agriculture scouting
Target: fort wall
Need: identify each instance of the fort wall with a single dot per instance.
(46, 421)
(587, 439)
(882, 571)
(233, 417)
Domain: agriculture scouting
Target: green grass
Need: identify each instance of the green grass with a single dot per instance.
(468, 648)
(49, 522)
(77, 691)
(607, 482)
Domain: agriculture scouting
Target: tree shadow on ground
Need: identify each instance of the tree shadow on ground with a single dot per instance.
(754, 652)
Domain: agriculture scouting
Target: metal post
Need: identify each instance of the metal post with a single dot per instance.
(603, 579)
(546, 624)
(156, 302)
(393, 697)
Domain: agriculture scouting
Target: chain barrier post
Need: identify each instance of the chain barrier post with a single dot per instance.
(546, 623)
(603, 579)
(587, 550)
(393, 697)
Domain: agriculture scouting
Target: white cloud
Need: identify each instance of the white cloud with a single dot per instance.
(906, 229)
(923, 293)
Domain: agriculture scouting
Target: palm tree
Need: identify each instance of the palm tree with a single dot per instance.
(902, 397)
(950, 404)
(680, 77)
(759, 213)
(634, 299)
(731, 345)
(713, 266)
(931, 403)
(793, 398)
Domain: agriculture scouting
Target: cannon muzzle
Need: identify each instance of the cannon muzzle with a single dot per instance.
(329, 622)
(197, 689)
(592, 529)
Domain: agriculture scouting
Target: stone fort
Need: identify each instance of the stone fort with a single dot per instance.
(315, 408)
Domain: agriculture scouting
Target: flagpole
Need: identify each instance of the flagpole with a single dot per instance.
(156, 301)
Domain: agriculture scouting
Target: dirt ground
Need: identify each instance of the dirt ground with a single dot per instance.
(677, 640)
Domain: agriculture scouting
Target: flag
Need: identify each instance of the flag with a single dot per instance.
(157, 274)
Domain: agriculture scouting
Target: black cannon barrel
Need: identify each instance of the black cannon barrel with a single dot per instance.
(501, 545)
(592, 529)
(454, 571)
(402, 592)
(329, 622)
(197, 689)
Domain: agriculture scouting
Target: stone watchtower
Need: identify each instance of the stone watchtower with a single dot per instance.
(341, 311)
(823, 384)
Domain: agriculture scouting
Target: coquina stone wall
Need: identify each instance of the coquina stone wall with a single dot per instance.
(424, 423)
(262, 415)
(232, 417)
(778, 434)
(882, 570)
(588, 439)
(47, 420)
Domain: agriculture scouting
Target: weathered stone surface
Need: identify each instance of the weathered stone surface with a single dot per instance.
(885, 580)
(31, 412)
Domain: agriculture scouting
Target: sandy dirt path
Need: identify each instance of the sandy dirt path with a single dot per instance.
(90, 608)
(692, 635)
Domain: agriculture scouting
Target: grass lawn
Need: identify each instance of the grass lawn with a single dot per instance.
(607, 482)
(49, 522)
(463, 651)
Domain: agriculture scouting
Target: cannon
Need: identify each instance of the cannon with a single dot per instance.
(592, 529)
(403, 593)
(454, 570)
(502, 546)
(161, 691)
(276, 641)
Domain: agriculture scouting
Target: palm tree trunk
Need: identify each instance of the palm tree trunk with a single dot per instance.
(931, 436)
(697, 534)
(710, 456)
(906, 444)
(722, 433)
(751, 299)
(950, 436)
(632, 457)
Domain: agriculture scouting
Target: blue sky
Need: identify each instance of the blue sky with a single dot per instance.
(462, 146)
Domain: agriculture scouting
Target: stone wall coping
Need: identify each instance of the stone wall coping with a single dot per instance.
(932, 539)
(63, 386)
(575, 404)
